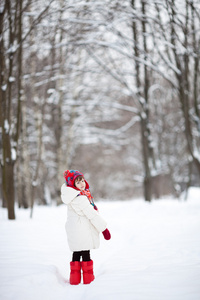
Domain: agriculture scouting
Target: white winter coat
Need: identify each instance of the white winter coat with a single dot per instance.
(83, 222)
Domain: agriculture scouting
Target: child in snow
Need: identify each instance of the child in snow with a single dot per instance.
(83, 225)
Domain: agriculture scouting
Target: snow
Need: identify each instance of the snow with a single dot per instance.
(154, 253)
(13, 48)
(4, 87)
(13, 154)
(11, 79)
(6, 126)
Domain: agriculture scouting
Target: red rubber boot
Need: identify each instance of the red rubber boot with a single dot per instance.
(75, 274)
(87, 267)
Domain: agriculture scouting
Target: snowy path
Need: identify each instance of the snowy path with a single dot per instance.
(154, 254)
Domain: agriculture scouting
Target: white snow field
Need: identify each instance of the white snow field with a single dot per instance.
(154, 253)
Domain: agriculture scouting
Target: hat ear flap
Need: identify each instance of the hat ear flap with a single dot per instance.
(86, 185)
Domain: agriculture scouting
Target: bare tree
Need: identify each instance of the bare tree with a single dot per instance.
(182, 60)
(11, 56)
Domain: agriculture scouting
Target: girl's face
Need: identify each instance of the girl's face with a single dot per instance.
(80, 184)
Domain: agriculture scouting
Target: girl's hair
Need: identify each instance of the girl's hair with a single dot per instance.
(79, 178)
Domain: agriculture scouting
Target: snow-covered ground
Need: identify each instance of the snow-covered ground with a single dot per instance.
(154, 253)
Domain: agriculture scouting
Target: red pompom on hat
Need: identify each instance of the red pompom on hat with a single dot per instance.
(71, 175)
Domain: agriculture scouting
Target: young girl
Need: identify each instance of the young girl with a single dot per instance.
(83, 225)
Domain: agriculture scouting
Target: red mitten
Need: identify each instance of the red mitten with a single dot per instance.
(106, 234)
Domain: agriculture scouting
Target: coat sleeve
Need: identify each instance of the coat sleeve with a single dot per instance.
(82, 203)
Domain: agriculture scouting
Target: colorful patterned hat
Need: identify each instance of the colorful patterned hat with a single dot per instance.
(71, 175)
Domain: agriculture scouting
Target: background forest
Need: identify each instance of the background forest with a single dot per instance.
(111, 88)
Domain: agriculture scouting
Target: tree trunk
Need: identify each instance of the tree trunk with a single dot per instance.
(8, 153)
(143, 101)
(8, 176)
(40, 121)
(183, 82)
(59, 134)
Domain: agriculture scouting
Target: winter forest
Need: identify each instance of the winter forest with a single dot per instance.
(111, 88)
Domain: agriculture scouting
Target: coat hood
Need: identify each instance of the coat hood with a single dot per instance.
(68, 193)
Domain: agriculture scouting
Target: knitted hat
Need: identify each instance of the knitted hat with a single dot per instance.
(71, 175)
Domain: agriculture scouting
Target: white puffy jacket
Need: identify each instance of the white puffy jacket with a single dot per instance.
(83, 222)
